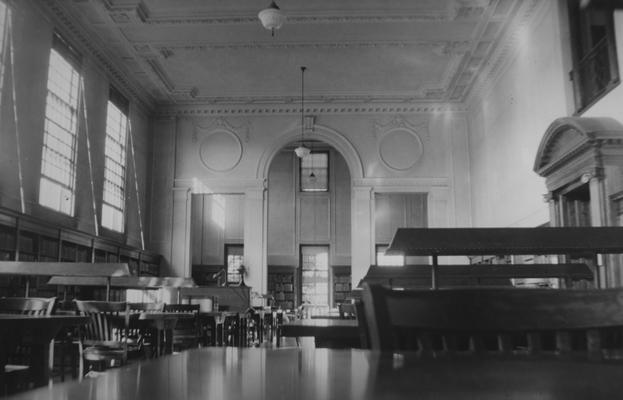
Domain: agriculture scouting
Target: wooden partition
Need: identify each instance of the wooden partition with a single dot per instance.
(104, 271)
(26, 238)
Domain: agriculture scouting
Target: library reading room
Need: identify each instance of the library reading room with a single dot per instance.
(328, 199)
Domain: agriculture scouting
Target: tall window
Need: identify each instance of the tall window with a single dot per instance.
(595, 69)
(315, 275)
(58, 165)
(314, 172)
(387, 261)
(113, 206)
(4, 35)
(234, 255)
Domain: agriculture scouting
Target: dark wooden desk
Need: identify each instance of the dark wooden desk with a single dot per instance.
(437, 242)
(327, 332)
(39, 330)
(252, 373)
(162, 323)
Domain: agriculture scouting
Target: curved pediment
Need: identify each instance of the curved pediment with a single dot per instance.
(568, 137)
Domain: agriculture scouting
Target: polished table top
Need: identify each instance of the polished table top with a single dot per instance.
(271, 374)
(41, 320)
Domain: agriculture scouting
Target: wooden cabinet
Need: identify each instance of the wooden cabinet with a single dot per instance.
(27, 238)
(581, 160)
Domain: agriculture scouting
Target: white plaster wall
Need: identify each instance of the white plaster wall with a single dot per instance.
(440, 152)
(506, 126)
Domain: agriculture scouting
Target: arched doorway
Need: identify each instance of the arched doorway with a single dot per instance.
(309, 227)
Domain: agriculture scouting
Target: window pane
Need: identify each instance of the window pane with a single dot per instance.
(235, 259)
(314, 172)
(315, 275)
(58, 166)
(114, 168)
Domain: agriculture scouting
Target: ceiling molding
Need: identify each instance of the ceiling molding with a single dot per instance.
(345, 16)
(154, 86)
(531, 14)
(279, 109)
(440, 47)
(185, 98)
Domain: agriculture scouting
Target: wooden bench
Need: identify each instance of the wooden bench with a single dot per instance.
(497, 321)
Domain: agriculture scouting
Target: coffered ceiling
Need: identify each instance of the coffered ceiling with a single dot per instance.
(178, 52)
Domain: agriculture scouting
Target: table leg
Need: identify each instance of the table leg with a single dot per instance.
(168, 340)
(158, 342)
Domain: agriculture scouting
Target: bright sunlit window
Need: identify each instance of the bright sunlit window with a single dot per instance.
(235, 258)
(388, 261)
(315, 275)
(4, 27)
(58, 166)
(114, 170)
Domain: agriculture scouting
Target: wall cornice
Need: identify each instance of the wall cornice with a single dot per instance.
(402, 184)
(289, 109)
(439, 46)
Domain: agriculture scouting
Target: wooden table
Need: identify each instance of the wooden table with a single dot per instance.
(257, 373)
(327, 332)
(162, 323)
(39, 330)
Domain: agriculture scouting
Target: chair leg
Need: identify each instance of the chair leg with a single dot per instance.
(80, 360)
(51, 362)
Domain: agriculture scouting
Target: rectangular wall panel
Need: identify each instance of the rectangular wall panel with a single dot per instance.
(281, 209)
(314, 222)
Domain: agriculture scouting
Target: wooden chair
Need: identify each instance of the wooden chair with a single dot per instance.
(104, 338)
(187, 331)
(17, 370)
(487, 321)
(27, 305)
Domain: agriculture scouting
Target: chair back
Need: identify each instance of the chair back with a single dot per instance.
(182, 308)
(146, 307)
(27, 305)
(108, 321)
(588, 323)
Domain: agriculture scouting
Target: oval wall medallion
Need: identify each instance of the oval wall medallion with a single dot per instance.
(220, 151)
(400, 149)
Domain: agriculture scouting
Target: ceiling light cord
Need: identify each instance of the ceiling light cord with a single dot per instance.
(303, 104)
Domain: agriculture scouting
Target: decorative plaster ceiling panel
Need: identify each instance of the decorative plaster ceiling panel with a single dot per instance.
(331, 71)
(211, 51)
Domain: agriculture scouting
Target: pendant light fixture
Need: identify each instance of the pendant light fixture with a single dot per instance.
(302, 151)
(272, 18)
